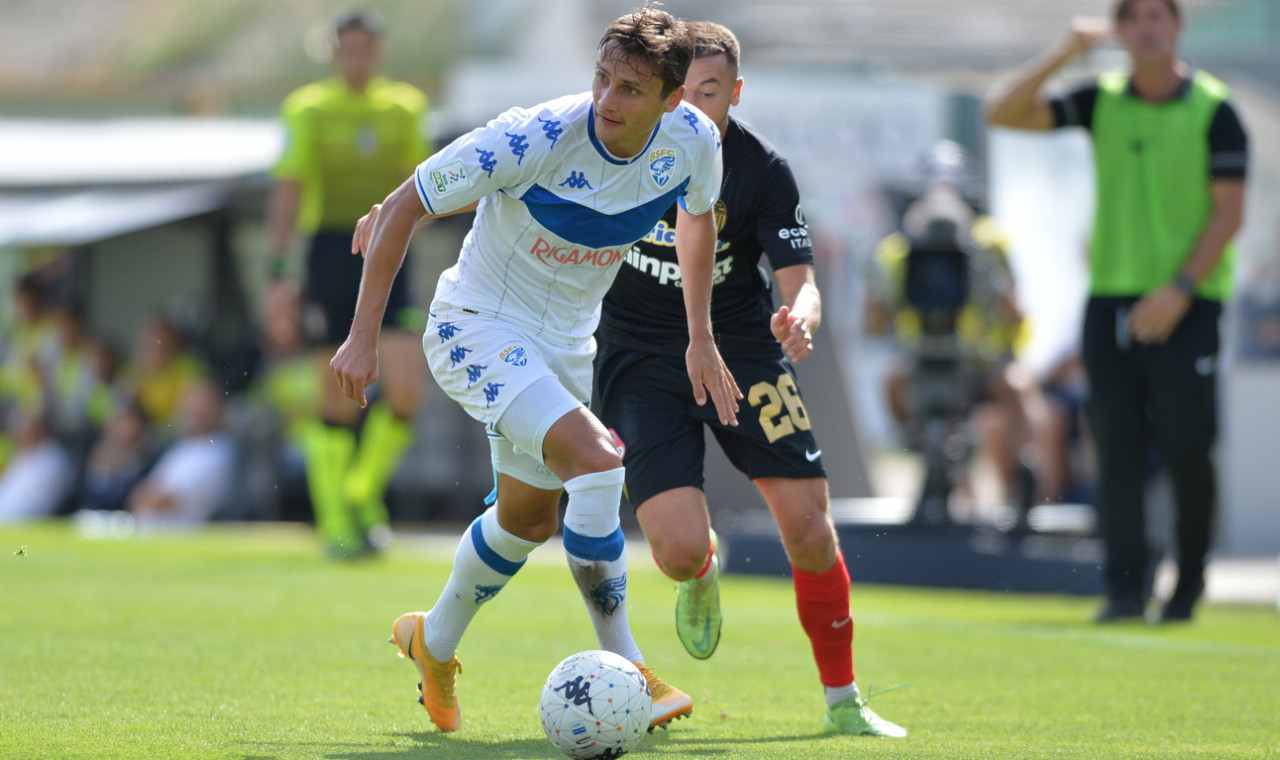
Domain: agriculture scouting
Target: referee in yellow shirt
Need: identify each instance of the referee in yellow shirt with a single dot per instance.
(350, 140)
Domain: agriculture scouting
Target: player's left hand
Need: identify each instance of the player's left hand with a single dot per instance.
(793, 333)
(708, 373)
(1157, 315)
(356, 366)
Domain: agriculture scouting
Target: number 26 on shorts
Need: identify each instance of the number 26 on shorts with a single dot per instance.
(773, 420)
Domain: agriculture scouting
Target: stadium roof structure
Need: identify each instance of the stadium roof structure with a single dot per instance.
(74, 182)
(78, 217)
(49, 153)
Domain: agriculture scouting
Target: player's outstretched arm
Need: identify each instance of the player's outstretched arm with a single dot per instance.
(1021, 105)
(695, 251)
(386, 239)
(798, 318)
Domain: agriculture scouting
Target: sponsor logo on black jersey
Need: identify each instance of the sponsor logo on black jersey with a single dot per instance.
(667, 271)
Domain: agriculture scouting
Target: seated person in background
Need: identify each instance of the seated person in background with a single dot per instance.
(290, 383)
(162, 371)
(193, 477)
(27, 346)
(1055, 406)
(39, 474)
(71, 384)
(983, 316)
(290, 393)
(119, 460)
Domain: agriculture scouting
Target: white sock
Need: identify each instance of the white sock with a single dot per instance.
(487, 557)
(837, 694)
(595, 548)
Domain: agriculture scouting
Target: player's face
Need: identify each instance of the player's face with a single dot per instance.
(713, 86)
(628, 102)
(1150, 33)
(358, 55)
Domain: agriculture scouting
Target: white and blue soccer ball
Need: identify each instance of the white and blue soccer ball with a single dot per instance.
(595, 706)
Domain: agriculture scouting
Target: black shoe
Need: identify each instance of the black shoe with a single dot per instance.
(1120, 610)
(1181, 607)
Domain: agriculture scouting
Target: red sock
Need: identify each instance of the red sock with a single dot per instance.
(711, 553)
(822, 599)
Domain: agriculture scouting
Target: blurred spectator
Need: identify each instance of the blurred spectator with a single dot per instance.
(162, 371)
(288, 395)
(72, 387)
(1055, 409)
(29, 345)
(39, 475)
(119, 460)
(290, 383)
(193, 477)
(1260, 310)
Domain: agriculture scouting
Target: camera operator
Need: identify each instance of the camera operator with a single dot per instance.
(951, 294)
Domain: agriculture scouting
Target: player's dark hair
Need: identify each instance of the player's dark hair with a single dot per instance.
(357, 21)
(712, 39)
(1123, 10)
(654, 37)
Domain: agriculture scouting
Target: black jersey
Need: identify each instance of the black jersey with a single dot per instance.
(758, 212)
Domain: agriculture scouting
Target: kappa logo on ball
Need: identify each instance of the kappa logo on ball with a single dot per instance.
(661, 163)
(514, 355)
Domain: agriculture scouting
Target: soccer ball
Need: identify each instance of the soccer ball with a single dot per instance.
(595, 706)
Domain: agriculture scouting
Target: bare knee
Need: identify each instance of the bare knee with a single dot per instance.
(812, 543)
(680, 557)
(598, 455)
(527, 512)
(800, 508)
(577, 445)
(676, 524)
(538, 528)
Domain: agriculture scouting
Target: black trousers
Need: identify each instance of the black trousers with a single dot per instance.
(1146, 398)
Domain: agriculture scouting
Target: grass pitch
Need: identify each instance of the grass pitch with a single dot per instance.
(245, 644)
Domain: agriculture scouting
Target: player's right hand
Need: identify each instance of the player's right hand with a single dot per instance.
(356, 367)
(709, 373)
(1087, 32)
(363, 237)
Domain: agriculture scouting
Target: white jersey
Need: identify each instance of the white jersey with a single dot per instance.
(557, 211)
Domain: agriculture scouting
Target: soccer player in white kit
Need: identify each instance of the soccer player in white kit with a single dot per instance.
(561, 192)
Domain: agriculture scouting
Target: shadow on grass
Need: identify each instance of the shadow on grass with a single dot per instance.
(681, 742)
(432, 744)
(435, 744)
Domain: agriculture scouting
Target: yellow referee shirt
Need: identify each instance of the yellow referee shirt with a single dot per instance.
(349, 149)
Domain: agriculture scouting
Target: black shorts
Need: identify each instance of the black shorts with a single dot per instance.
(332, 284)
(647, 399)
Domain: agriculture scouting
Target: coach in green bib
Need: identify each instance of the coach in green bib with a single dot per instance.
(1170, 156)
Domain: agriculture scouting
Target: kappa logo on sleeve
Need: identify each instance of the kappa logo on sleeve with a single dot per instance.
(449, 179)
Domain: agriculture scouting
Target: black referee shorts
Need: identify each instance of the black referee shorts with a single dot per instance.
(647, 399)
(332, 283)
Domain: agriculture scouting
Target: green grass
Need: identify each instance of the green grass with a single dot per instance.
(246, 645)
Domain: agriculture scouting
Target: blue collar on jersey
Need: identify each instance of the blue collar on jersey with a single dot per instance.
(603, 151)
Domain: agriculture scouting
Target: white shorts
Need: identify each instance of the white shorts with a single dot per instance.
(485, 363)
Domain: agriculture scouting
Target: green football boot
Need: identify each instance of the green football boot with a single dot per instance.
(852, 716)
(698, 617)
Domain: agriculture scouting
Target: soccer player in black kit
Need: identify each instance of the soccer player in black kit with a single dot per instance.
(646, 399)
